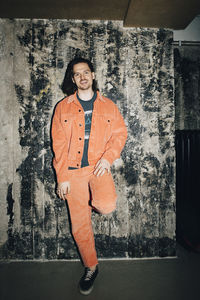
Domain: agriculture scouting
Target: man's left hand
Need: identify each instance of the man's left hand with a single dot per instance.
(102, 166)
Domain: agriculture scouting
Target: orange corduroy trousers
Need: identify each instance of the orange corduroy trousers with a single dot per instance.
(88, 191)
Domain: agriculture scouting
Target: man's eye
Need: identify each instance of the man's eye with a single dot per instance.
(76, 75)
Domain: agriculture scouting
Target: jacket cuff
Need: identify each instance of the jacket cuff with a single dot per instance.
(63, 177)
(109, 158)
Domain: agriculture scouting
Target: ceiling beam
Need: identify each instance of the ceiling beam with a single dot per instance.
(64, 9)
(174, 14)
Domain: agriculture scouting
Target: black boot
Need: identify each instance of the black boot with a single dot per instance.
(86, 282)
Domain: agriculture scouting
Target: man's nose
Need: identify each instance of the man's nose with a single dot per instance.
(82, 76)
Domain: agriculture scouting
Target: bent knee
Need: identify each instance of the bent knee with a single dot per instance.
(106, 210)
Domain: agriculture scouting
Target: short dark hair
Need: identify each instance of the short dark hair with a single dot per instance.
(68, 86)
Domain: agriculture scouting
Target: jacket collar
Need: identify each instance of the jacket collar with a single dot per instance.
(73, 98)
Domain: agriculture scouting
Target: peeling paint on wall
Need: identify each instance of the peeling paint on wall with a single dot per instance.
(134, 67)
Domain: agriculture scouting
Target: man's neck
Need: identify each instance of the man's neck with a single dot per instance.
(85, 95)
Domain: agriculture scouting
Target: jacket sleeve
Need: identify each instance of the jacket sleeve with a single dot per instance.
(59, 144)
(118, 138)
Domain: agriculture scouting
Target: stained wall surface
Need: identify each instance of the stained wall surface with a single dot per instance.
(134, 67)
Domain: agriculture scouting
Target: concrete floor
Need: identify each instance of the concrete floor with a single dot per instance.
(153, 279)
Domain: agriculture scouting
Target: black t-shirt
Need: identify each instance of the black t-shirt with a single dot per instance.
(88, 109)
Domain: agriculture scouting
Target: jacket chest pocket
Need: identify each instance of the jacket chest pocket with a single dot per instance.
(67, 121)
(108, 130)
(104, 128)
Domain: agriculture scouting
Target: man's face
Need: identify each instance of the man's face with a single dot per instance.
(83, 77)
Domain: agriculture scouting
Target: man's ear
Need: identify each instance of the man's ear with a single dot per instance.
(93, 75)
(73, 80)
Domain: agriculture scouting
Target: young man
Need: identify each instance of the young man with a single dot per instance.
(88, 134)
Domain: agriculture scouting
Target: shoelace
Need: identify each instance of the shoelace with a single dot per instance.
(89, 274)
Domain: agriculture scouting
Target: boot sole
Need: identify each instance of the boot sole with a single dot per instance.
(85, 293)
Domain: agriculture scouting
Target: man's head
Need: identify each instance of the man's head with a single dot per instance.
(79, 75)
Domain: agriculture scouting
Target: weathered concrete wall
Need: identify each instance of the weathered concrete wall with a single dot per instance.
(135, 69)
(187, 83)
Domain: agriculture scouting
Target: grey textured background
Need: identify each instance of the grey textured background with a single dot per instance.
(135, 68)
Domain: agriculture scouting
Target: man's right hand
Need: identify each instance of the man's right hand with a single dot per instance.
(63, 189)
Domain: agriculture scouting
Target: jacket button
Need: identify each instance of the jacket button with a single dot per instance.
(108, 120)
(80, 124)
(77, 165)
(80, 139)
(79, 110)
(65, 120)
(79, 151)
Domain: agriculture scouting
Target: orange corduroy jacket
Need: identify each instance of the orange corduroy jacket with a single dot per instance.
(107, 136)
